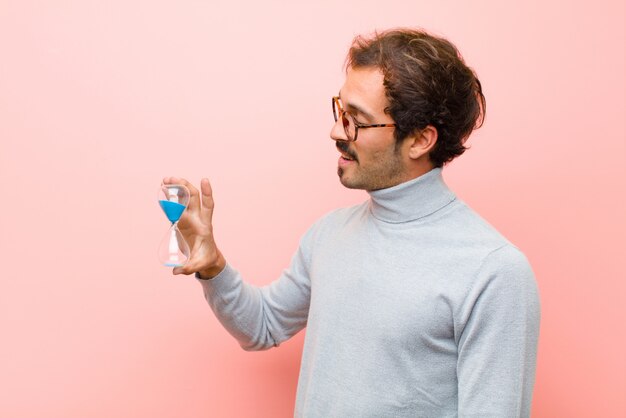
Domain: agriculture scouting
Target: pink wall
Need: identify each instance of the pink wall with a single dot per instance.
(100, 100)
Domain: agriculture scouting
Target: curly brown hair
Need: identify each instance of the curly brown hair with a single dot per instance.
(427, 83)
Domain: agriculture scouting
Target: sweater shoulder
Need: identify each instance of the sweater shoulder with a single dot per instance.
(464, 223)
(508, 267)
(341, 216)
(327, 225)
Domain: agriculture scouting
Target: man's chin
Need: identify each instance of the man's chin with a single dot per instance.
(345, 180)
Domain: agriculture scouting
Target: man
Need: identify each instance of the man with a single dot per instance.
(414, 305)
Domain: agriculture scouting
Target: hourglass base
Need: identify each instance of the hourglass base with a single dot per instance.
(174, 264)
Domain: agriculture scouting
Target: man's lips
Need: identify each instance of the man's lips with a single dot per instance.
(344, 162)
(345, 154)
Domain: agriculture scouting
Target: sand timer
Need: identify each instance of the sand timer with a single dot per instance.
(173, 199)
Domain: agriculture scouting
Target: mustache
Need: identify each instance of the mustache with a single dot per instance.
(343, 147)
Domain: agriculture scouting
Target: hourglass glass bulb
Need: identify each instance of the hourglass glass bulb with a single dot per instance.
(173, 250)
(172, 195)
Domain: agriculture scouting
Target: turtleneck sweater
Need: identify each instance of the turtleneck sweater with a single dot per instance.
(414, 306)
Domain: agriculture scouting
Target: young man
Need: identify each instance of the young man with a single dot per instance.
(414, 305)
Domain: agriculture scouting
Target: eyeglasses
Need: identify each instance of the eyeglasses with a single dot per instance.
(351, 126)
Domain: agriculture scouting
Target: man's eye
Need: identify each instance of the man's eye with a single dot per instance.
(358, 122)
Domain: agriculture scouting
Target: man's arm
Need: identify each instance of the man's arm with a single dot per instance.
(262, 317)
(259, 318)
(497, 346)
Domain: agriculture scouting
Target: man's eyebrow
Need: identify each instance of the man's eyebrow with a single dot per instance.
(353, 107)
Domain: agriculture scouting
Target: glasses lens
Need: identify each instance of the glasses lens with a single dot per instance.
(348, 125)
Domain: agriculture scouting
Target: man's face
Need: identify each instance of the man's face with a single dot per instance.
(373, 161)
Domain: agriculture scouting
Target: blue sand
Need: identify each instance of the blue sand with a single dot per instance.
(172, 210)
(173, 264)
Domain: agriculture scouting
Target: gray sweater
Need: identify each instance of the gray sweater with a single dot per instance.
(414, 306)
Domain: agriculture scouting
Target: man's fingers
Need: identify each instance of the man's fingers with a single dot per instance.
(201, 206)
(208, 203)
(188, 268)
(179, 270)
(194, 196)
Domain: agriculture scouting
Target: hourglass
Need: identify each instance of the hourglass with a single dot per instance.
(173, 199)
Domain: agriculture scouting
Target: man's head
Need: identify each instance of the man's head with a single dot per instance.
(418, 82)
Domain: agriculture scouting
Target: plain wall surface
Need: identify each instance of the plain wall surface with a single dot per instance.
(101, 99)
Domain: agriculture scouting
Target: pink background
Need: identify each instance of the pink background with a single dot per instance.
(101, 99)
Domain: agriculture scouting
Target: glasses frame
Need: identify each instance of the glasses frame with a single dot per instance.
(342, 114)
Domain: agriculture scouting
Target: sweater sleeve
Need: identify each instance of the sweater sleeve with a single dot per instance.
(263, 317)
(497, 346)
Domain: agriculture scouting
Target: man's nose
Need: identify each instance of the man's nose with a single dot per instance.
(337, 133)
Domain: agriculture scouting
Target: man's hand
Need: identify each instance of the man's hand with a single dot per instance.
(196, 225)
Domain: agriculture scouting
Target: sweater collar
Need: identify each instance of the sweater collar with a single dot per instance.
(413, 199)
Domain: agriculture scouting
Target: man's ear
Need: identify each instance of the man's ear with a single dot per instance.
(422, 142)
